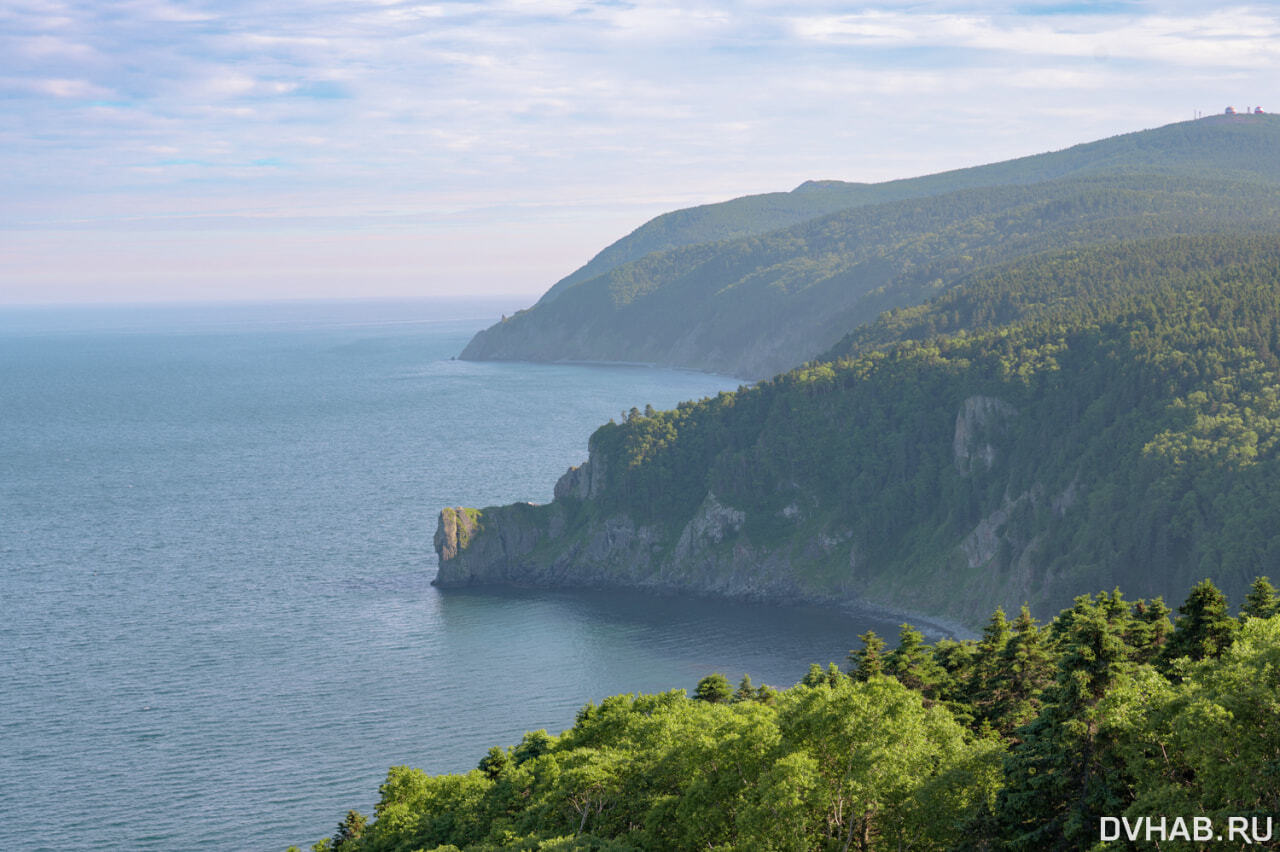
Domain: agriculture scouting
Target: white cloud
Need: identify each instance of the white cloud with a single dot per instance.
(56, 87)
(45, 47)
(514, 104)
(1231, 37)
(165, 12)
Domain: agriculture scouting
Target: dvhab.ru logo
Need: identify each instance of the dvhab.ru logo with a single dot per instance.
(1238, 829)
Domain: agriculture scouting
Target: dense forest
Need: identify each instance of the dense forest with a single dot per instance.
(1076, 419)
(1022, 739)
(1023, 381)
(758, 285)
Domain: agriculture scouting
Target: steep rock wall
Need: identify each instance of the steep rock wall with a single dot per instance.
(575, 541)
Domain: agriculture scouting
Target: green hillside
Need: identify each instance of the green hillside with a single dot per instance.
(1219, 147)
(1023, 740)
(753, 306)
(1086, 418)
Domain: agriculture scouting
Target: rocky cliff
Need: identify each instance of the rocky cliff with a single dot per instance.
(569, 542)
(576, 541)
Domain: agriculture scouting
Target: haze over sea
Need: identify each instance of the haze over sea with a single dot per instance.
(215, 563)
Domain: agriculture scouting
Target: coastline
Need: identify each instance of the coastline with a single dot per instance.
(932, 626)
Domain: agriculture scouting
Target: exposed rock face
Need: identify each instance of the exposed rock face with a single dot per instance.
(454, 530)
(978, 423)
(792, 553)
(488, 546)
(583, 482)
(708, 527)
(525, 544)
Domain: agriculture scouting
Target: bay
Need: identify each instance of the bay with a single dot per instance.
(215, 560)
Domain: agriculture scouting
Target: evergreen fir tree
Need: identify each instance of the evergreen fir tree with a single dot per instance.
(1149, 629)
(912, 663)
(714, 689)
(1262, 601)
(955, 659)
(349, 831)
(986, 664)
(1025, 670)
(868, 661)
(494, 762)
(1204, 628)
(1060, 776)
(815, 676)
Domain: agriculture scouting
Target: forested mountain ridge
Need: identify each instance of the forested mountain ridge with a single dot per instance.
(758, 285)
(1087, 418)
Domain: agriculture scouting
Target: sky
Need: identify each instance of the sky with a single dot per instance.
(169, 150)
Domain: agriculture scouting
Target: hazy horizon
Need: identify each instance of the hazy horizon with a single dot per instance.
(174, 150)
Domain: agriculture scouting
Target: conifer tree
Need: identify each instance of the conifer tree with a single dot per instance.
(766, 694)
(1149, 629)
(714, 689)
(1025, 670)
(746, 690)
(986, 662)
(1262, 601)
(815, 676)
(994, 634)
(1204, 628)
(955, 659)
(494, 763)
(349, 831)
(912, 664)
(1059, 777)
(867, 661)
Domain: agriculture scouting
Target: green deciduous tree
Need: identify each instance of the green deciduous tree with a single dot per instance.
(876, 746)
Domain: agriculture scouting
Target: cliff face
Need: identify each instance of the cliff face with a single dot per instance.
(577, 541)
(570, 543)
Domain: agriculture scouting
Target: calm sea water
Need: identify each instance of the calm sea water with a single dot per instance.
(218, 628)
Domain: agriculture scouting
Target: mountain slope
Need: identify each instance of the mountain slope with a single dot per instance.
(1093, 417)
(1239, 147)
(754, 305)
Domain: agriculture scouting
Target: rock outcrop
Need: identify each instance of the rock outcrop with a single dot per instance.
(978, 423)
(583, 540)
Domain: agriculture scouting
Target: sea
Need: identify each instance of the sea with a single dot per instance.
(217, 624)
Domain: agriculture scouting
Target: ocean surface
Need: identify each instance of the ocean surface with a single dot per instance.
(217, 628)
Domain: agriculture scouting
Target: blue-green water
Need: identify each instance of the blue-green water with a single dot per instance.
(218, 628)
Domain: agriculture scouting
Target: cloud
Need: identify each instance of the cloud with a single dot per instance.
(373, 105)
(55, 87)
(50, 47)
(1230, 38)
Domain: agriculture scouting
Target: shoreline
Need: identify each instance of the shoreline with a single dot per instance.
(933, 627)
